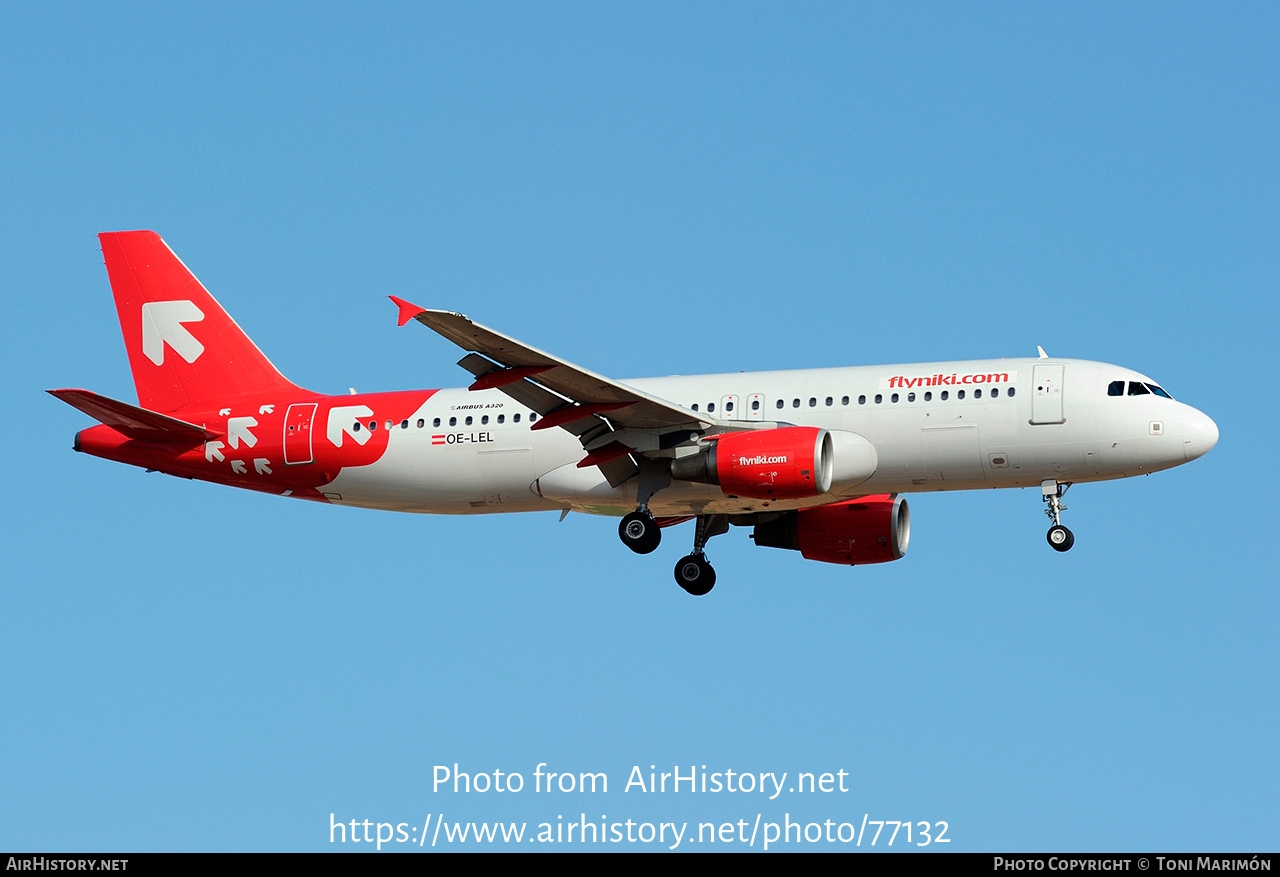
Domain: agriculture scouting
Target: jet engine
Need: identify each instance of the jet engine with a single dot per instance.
(870, 529)
(789, 462)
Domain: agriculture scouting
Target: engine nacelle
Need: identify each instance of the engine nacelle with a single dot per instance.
(789, 462)
(870, 529)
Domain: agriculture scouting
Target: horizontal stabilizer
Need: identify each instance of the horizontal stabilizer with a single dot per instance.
(136, 423)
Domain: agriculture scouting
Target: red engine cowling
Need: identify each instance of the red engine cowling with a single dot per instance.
(791, 462)
(870, 529)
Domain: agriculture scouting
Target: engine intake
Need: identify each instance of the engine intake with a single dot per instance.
(789, 462)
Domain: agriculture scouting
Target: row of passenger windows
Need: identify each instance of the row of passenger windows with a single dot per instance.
(927, 396)
(372, 425)
(830, 401)
(1136, 388)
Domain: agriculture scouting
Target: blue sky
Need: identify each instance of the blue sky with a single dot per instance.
(643, 189)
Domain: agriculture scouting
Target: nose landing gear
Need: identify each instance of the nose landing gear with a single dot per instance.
(1060, 538)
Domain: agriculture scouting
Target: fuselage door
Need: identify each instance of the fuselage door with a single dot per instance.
(297, 433)
(1046, 400)
(755, 407)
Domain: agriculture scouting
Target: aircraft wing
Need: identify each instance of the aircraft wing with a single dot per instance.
(501, 362)
(590, 406)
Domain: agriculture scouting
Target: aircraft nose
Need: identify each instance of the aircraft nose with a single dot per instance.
(1199, 434)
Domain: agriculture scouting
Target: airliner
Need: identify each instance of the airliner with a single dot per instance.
(813, 460)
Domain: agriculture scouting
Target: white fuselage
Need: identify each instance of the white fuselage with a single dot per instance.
(934, 426)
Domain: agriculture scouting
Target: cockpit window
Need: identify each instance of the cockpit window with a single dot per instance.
(1137, 389)
(1115, 388)
(1158, 391)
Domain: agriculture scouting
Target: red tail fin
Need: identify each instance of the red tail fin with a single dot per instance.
(183, 347)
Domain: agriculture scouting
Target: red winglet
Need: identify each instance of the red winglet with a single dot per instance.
(408, 310)
(611, 451)
(570, 413)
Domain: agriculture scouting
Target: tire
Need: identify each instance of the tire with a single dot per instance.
(695, 575)
(1060, 538)
(639, 532)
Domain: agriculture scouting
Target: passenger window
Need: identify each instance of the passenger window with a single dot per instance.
(421, 423)
(813, 403)
(356, 426)
(728, 406)
(862, 400)
(795, 403)
(373, 425)
(1137, 389)
(829, 400)
(911, 397)
(468, 421)
(694, 406)
(453, 421)
(977, 394)
(779, 403)
(1115, 388)
(711, 407)
(879, 398)
(515, 418)
(844, 400)
(945, 394)
(1010, 392)
(502, 418)
(404, 424)
(388, 426)
(532, 416)
(893, 398)
(755, 404)
(435, 421)
(484, 420)
(959, 394)
(928, 397)
(995, 391)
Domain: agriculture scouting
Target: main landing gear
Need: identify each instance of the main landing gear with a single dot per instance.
(639, 531)
(1059, 536)
(694, 572)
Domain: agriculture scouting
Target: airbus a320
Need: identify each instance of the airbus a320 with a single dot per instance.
(813, 460)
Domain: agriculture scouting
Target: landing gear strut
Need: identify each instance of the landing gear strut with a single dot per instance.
(639, 531)
(693, 571)
(1059, 536)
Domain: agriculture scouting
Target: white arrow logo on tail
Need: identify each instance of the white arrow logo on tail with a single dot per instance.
(238, 430)
(266, 409)
(342, 420)
(162, 324)
(237, 466)
(261, 465)
(213, 449)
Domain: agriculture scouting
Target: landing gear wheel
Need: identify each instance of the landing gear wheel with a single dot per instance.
(639, 532)
(695, 575)
(1060, 538)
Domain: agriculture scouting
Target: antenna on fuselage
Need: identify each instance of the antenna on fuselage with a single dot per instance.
(1040, 350)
